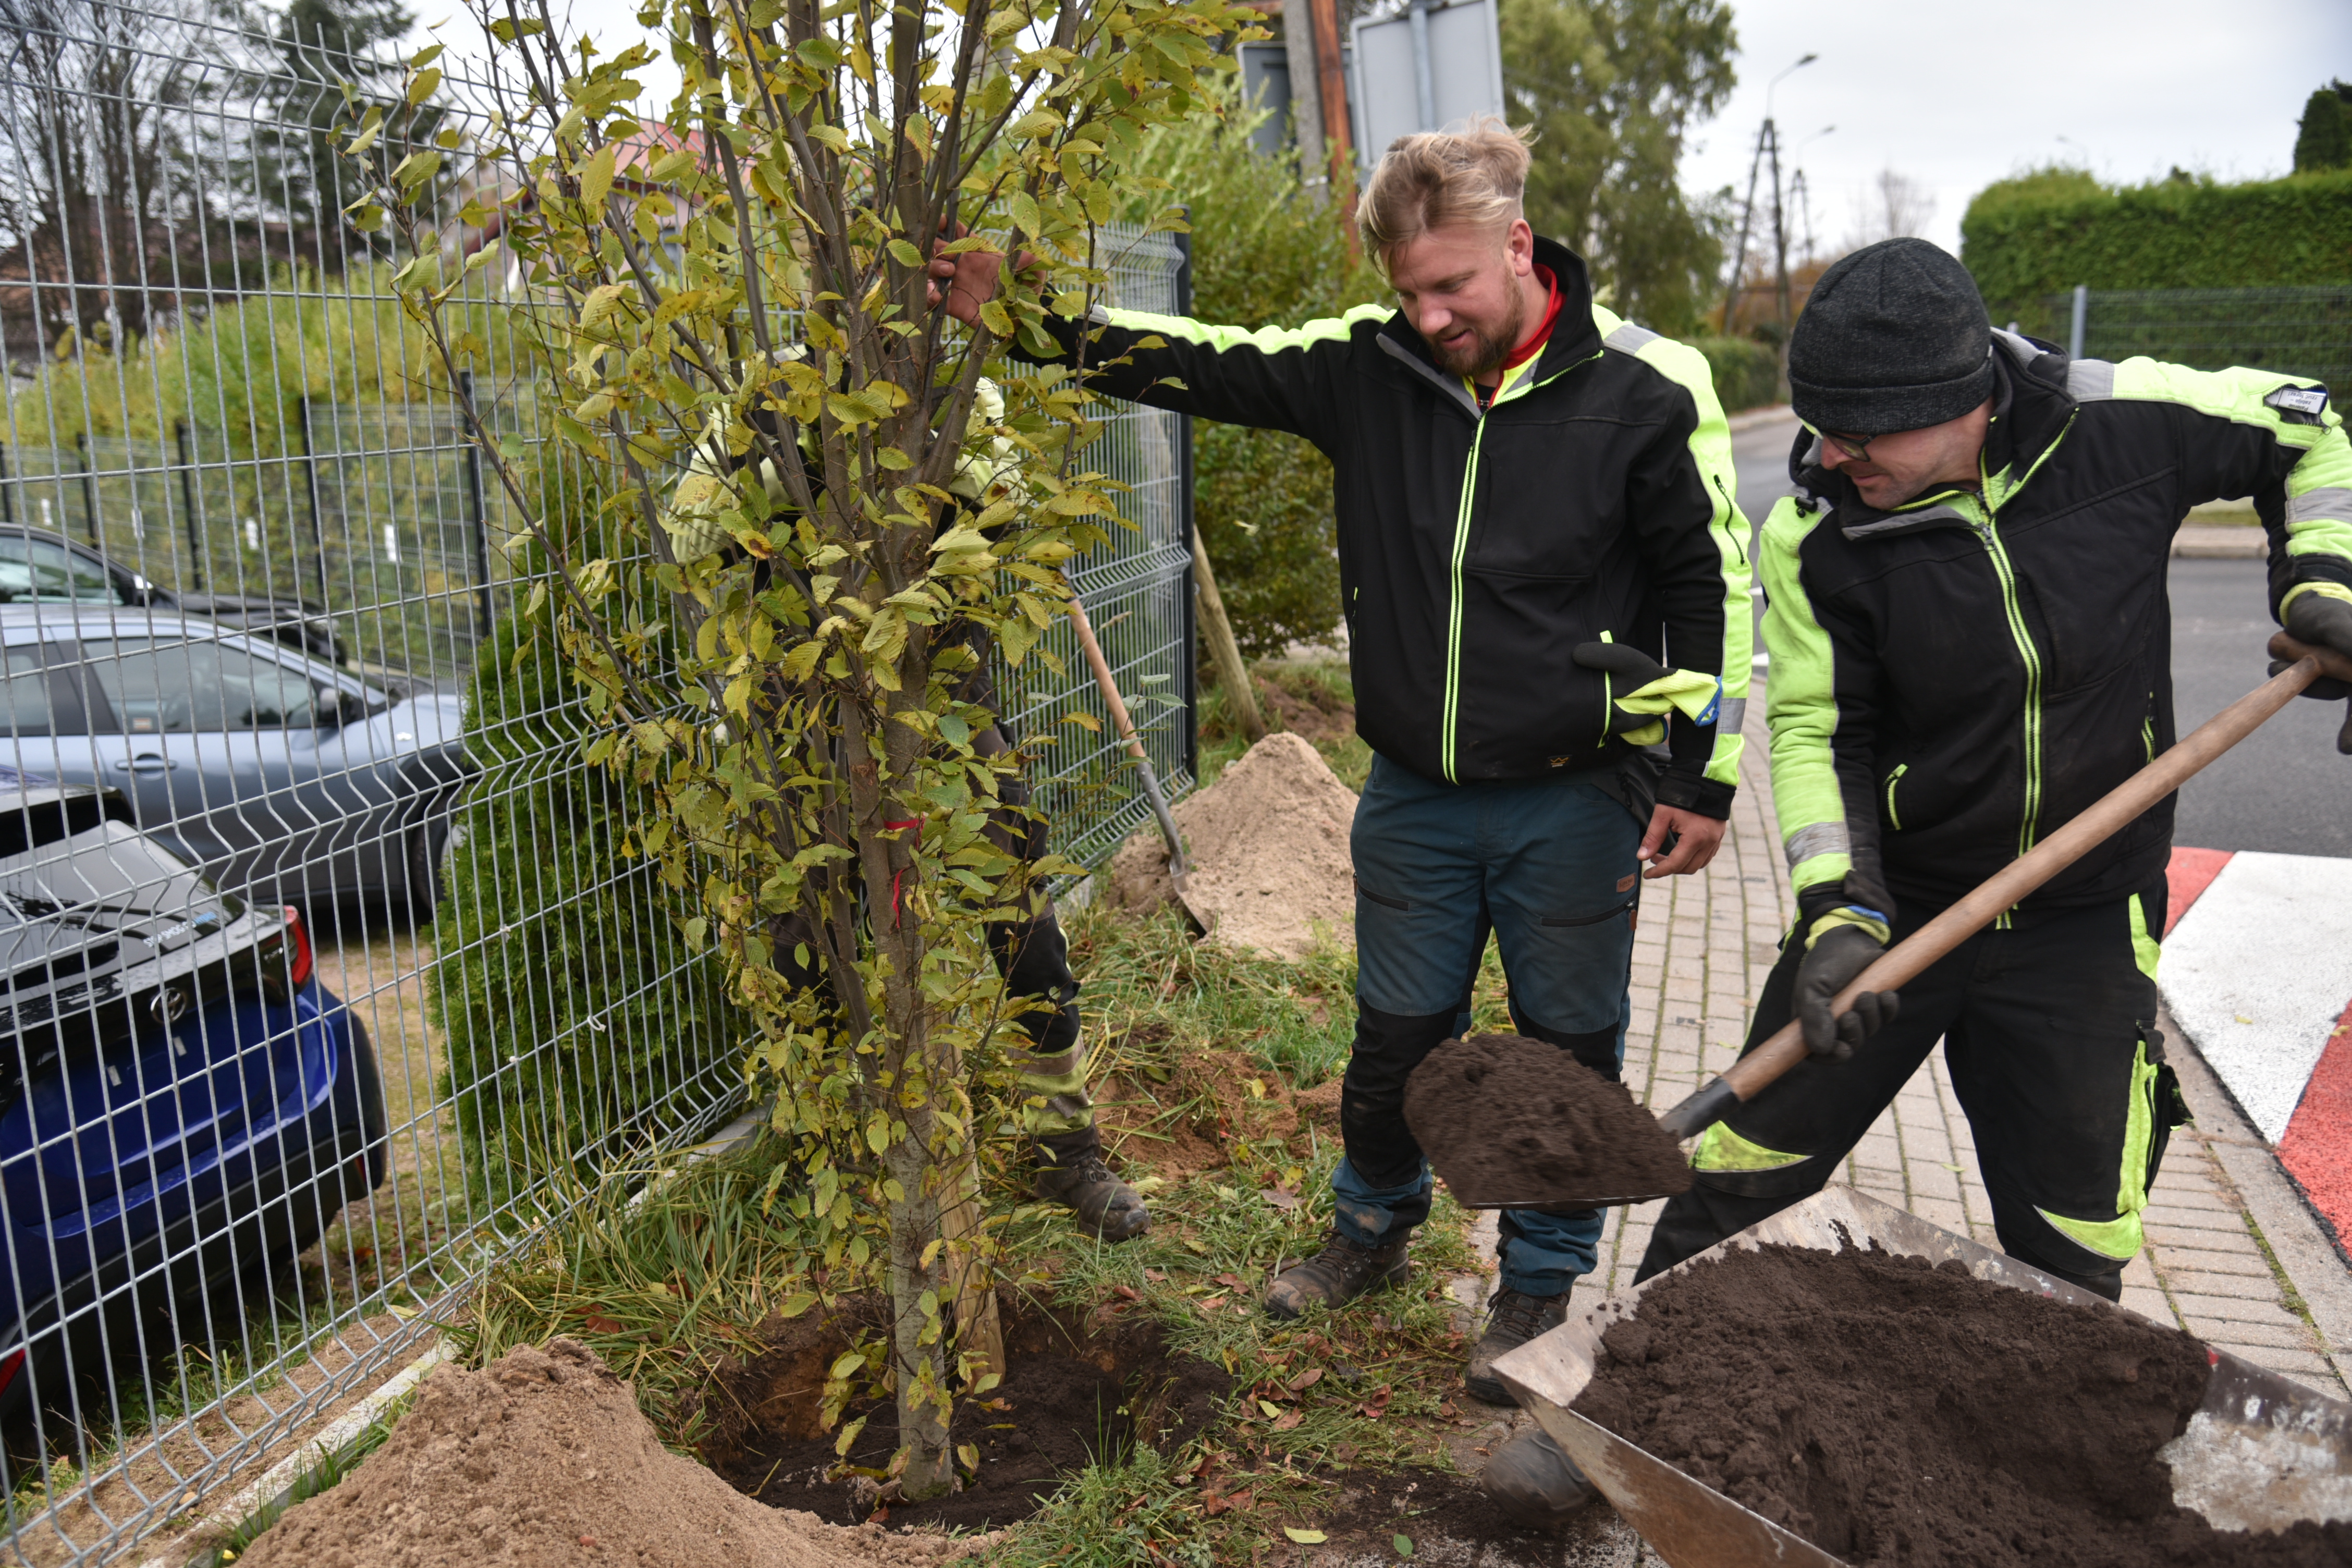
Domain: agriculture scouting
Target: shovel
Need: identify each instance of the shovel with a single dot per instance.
(1179, 869)
(1903, 963)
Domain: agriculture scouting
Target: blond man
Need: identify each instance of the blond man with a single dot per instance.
(1534, 518)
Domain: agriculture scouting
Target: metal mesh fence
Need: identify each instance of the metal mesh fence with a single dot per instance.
(2296, 331)
(328, 981)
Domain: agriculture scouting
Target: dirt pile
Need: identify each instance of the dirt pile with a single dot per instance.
(1896, 1412)
(1269, 852)
(1506, 1119)
(542, 1459)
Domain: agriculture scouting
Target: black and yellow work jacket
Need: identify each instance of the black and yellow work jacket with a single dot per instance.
(1591, 500)
(1952, 680)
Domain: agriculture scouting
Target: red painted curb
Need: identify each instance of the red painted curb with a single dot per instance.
(2190, 872)
(2317, 1148)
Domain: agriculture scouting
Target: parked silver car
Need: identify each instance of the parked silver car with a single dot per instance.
(285, 778)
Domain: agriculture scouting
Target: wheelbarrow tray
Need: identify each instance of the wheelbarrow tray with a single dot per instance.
(2259, 1454)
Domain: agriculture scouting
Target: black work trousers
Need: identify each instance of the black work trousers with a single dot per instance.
(2048, 1025)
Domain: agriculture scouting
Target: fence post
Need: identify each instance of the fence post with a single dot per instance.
(480, 519)
(2081, 312)
(311, 490)
(1190, 663)
(7, 496)
(89, 491)
(188, 505)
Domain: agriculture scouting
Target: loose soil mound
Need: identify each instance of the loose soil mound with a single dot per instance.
(1895, 1412)
(1077, 1388)
(1506, 1119)
(1269, 854)
(542, 1459)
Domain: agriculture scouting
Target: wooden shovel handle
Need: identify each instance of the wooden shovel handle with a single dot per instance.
(1103, 682)
(1905, 961)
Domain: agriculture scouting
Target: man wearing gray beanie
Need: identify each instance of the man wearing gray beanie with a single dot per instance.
(1970, 634)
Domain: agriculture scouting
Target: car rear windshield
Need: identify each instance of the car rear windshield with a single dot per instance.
(37, 572)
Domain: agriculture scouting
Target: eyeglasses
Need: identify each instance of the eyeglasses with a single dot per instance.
(1854, 447)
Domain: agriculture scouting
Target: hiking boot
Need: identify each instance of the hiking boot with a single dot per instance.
(1342, 1271)
(1071, 1171)
(1514, 1319)
(1535, 1485)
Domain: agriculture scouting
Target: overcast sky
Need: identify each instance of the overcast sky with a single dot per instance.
(1958, 95)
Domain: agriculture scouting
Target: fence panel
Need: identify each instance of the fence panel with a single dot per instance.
(2296, 331)
(256, 1134)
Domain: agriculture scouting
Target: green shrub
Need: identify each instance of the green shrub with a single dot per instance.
(1747, 372)
(2042, 233)
(568, 1001)
(1265, 252)
(2323, 138)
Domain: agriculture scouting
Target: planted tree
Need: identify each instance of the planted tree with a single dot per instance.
(835, 501)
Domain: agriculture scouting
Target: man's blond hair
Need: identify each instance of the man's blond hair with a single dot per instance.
(1474, 176)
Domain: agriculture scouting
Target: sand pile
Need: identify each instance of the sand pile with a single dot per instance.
(1269, 847)
(1896, 1412)
(1506, 1118)
(542, 1459)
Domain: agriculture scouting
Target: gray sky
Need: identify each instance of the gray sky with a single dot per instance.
(1958, 95)
(1953, 95)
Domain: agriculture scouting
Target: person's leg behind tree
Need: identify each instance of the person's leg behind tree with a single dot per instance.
(1562, 885)
(2057, 1061)
(1056, 1116)
(1420, 926)
(1786, 1143)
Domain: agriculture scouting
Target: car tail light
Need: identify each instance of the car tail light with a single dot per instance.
(10, 1365)
(301, 960)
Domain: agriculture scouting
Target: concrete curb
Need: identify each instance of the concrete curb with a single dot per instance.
(1779, 413)
(2296, 1240)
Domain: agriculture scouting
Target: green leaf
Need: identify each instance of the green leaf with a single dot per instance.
(1024, 207)
(424, 85)
(849, 1435)
(906, 254)
(596, 176)
(969, 1453)
(415, 169)
(368, 132)
(601, 302)
(1404, 1544)
(1305, 1537)
(794, 1305)
(845, 1364)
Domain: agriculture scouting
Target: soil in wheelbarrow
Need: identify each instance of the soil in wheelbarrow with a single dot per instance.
(1079, 1386)
(1506, 1118)
(1896, 1412)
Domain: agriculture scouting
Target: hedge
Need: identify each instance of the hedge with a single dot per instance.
(568, 1001)
(1747, 372)
(2042, 234)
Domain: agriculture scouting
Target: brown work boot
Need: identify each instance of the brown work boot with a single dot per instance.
(1071, 1171)
(1513, 1320)
(1534, 1483)
(1342, 1271)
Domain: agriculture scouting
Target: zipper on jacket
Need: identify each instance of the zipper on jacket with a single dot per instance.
(1461, 549)
(1730, 514)
(1986, 532)
(1893, 779)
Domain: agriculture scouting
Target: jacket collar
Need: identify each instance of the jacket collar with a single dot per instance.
(1574, 337)
(2030, 410)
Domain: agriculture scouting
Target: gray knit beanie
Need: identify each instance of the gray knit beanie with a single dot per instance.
(1894, 338)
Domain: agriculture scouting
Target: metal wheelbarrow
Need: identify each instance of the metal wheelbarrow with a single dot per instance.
(2260, 1454)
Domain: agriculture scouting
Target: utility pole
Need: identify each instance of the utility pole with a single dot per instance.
(1331, 84)
(1306, 98)
(1768, 146)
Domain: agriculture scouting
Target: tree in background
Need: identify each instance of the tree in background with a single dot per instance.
(2325, 138)
(1892, 207)
(1265, 252)
(1612, 87)
(325, 49)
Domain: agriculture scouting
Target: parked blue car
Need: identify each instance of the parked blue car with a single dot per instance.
(183, 1107)
(281, 777)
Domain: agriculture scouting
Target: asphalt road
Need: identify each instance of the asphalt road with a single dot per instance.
(2282, 788)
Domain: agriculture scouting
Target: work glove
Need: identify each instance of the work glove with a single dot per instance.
(1642, 691)
(2317, 618)
(1841, 945)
